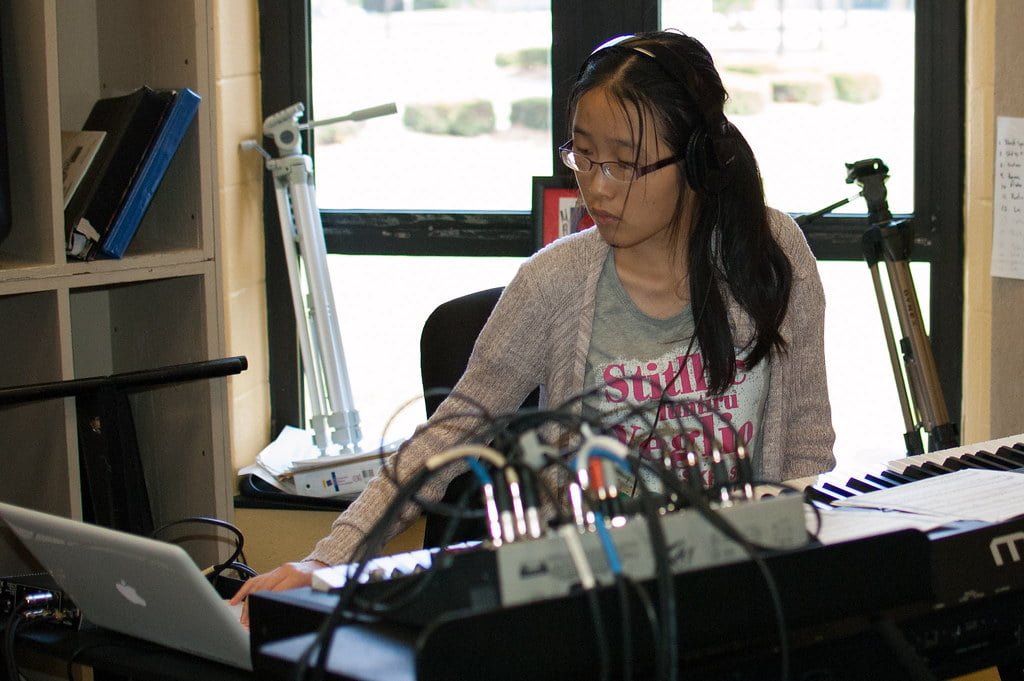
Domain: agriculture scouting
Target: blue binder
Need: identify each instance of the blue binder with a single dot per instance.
(176, 123)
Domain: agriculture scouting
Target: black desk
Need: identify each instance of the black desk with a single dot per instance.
(115, 655)
(365, 652)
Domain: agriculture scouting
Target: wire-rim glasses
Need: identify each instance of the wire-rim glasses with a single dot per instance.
(613, 170)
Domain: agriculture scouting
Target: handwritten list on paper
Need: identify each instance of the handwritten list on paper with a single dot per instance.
(1008, 208)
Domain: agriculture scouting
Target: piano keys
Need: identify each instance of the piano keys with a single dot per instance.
(971, 560)
(1003, 454)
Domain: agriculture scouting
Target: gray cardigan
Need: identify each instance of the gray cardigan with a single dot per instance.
(539, 334)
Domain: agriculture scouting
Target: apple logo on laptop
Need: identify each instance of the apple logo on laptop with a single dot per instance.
(130, 594)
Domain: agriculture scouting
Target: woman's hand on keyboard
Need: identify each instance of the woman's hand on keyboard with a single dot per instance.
(287, 576)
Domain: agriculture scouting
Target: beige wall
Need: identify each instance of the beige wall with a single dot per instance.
(993, 399)
(240, 221)
(993, 347)
(1007, 395)
(980, 134)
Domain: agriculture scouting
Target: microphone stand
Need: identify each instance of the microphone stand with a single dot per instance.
(335, 420)
(891, 241)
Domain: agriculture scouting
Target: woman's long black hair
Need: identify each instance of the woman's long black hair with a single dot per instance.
(672, 77)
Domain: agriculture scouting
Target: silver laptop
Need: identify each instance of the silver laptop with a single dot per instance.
(134, 585)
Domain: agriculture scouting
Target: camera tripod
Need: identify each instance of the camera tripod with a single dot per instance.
(335, 420)
(891, 241)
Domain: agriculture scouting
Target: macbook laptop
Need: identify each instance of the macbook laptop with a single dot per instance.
(134, 585)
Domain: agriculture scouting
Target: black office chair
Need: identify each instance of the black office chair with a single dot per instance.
(445, 345)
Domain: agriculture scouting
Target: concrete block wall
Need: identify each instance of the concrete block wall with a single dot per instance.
(240, 222)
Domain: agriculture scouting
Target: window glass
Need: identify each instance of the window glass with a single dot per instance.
(813, 85)
(382, 303)
(862, 386)
(472, 84)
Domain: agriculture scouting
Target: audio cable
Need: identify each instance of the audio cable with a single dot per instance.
(570, 535)
(31, 609)
(513, 471)
(236, 561)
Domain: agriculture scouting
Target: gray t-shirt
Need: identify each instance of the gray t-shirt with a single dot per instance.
(635, 358)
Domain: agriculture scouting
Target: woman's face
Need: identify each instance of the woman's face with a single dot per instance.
(626, 214)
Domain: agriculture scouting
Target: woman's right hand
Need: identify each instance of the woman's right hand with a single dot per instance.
(287, 576)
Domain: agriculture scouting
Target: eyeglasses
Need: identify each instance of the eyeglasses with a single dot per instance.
(613, 170)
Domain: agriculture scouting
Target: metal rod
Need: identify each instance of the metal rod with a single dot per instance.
(176, 373)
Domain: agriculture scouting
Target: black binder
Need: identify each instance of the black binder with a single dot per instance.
(131, 122)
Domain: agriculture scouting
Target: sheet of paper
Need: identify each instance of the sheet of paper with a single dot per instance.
(843, 524)
(275, 464)
(285, 485)
(291, 445)
(1008, 200)
(990, 496)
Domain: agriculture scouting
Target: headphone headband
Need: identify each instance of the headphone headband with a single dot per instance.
(672, 65)
(715, 135)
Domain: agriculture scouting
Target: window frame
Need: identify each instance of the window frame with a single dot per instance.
(577, 25)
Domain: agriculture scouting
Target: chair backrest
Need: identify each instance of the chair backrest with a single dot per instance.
(447, 341)
(445, 345)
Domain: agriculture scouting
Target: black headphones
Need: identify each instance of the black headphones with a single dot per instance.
(711, 147)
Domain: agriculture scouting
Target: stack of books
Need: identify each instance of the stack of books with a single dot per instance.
(113, 167)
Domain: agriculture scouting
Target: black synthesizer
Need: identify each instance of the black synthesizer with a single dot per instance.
(976, 569)
(915, 605)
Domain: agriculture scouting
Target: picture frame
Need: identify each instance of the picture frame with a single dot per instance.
(557, 209)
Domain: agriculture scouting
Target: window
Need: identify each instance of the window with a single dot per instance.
(444, 185)
(807, 97)
(469, 97)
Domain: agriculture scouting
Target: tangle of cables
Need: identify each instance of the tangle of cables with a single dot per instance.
(552, 475)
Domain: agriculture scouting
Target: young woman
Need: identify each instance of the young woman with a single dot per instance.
(689, 296)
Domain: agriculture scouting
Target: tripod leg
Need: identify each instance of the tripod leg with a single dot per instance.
(919, 359)
(912, 435)
(310, 366)
(343, 416)
(322, 353)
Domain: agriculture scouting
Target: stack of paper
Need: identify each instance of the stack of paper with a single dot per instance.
(975, 494)
(968, 495)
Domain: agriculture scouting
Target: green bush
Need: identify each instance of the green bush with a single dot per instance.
(744, 102)
(806, 91)
(473, 118)
(337, 133)
(526, 59)
(463, 119)
(857, 87)
(533, 113)
(430, 118)
(751, 69)
(727, 6)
